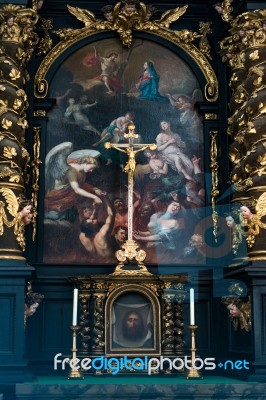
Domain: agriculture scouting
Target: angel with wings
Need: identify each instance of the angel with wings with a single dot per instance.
(189, 117)
(66, 184)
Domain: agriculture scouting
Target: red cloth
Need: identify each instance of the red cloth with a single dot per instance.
(90, 60)
(63, 199)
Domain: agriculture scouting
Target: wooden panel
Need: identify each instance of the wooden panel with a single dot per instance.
(7, 307)
(51, 329)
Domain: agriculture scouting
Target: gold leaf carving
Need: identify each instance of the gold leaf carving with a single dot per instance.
(262, 159)
(14, 178)
(25, 153)
(3, 103)
(17, 104)
(12, 201)
(21, 93)
(251, 128)
(9, 152)
(170, 16)
(5, 172)
(254, 55)
(6, 124)
(23, 123)
(20, 53)
(262, 108)
(14, 74)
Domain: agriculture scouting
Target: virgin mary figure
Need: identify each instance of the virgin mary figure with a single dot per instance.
(148, 84)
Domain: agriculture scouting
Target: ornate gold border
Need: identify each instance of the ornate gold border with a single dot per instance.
(12, 258)
(211, 87)
(35, 176)
(257, 189)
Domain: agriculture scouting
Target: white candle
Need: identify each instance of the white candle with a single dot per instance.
(192, 307)
(75, 307)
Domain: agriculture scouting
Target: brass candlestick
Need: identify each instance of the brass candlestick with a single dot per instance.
(193, 373)
(74, 371)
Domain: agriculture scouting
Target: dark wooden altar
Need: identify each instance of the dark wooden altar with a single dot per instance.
(100, 294)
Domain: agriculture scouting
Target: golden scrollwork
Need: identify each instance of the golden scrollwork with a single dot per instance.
(35, 177)
(112, 286)
(7, 172)
(13, 209)
(45, 43)
(124, 25)
(16, 26)
(152, 286)
(204, 45)
(39, 113)
(214, 171)
(100, 285)
(225, 9)
(210, 116)
(253, 221)
(130, 251)
(244, 52)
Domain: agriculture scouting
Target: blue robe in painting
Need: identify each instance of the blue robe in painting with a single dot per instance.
(148, 85)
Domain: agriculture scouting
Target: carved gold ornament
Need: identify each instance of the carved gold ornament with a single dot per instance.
(16, 22)
(214, 171)
(253, 224)
(16, 222)
(225, 9)
(35, 177)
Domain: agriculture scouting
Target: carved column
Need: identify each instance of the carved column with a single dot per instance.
(85, 323)
(245, 52)
(178, 328)
(98, 344)
(168, 340)
(17, 41)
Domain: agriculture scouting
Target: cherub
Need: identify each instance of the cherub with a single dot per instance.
(32, 302)
(224, 9)
(9, 30)
(239, 312)
(25, 212)
(108, 12)
(158, 166)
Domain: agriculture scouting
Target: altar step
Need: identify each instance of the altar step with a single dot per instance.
(128, 388)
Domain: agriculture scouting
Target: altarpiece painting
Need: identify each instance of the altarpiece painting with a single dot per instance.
(99, 89)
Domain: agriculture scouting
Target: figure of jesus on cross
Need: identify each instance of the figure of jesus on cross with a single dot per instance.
(130, 247)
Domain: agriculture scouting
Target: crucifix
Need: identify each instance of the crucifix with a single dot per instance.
(130, 249)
